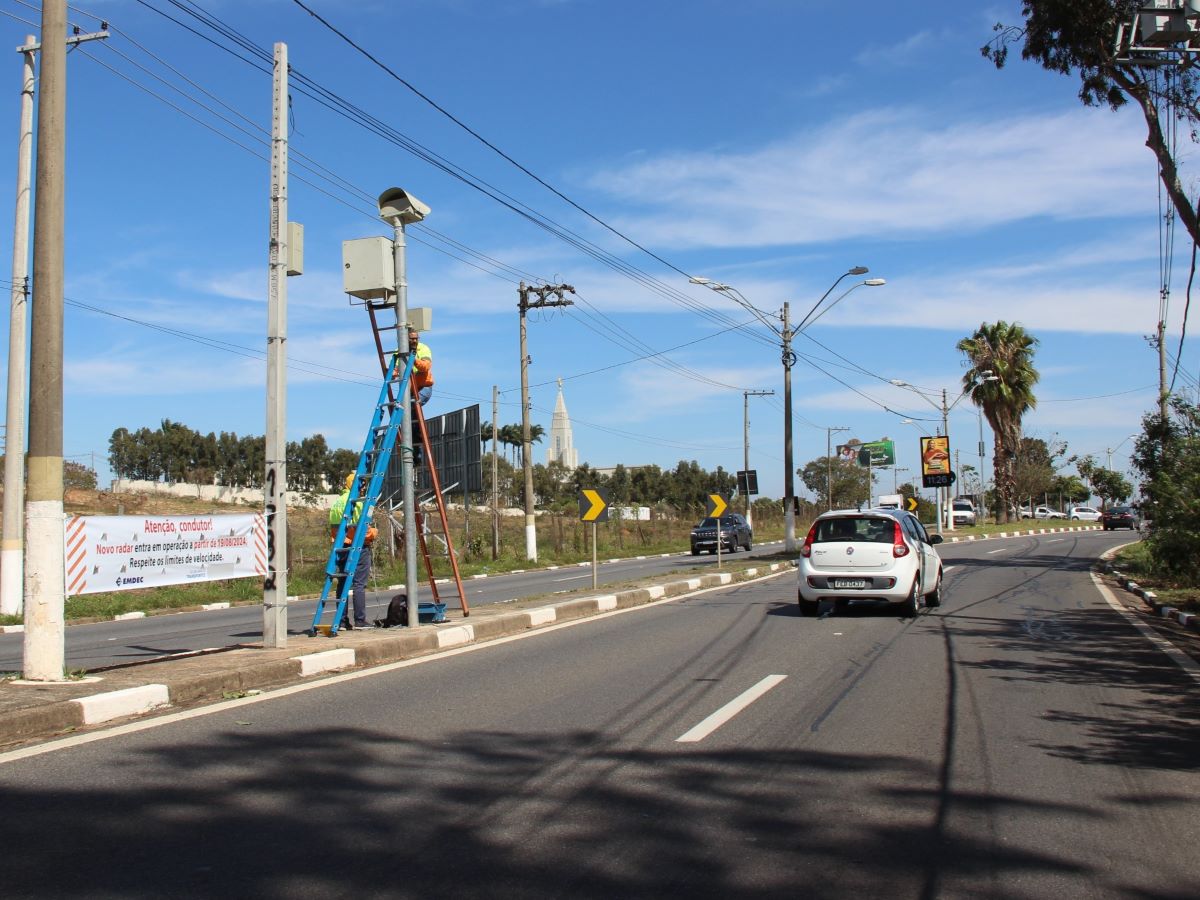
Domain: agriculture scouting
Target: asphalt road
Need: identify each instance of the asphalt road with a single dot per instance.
(101, 644)
(1022, 741)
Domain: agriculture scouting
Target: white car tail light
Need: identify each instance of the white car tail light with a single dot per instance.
(806, 549)
(899, 548)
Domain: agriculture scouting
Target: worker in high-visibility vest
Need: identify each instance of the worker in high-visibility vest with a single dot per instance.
(422, 380)
(362, 571)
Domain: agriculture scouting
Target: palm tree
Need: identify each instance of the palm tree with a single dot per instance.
(510, 436)
(1000, 382)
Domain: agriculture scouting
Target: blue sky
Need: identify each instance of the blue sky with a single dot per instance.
(768, 144)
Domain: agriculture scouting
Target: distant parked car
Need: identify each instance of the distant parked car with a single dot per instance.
(1045, 512)
(1119, 517)
(1025, 512)
(735, 532)
(1084, 513)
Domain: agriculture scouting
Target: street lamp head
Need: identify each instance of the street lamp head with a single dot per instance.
(397, 205)
(858, 270)
(698, 279)
(898, 383)
(875, 282)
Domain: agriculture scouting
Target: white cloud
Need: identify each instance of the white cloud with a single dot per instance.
(897, 173)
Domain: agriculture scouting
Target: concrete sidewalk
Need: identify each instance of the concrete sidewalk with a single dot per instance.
(31, 712)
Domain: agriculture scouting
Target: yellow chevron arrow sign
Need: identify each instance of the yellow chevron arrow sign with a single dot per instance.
(593, 506)
(717, 505)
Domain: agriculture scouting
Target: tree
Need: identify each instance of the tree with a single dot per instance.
(1034, 467)
(848, 479)
(1168, 457)
(77, 475)
(1000, 382)
(1106, 484)
(1079, 36)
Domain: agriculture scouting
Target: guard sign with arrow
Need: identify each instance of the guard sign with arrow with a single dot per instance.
(717, 505)
(593, 505)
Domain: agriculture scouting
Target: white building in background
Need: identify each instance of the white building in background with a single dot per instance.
(562, 444)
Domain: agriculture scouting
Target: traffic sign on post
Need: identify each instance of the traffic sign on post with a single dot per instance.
(593, 505)
(717, 505)
(747, 482)
(911, 503)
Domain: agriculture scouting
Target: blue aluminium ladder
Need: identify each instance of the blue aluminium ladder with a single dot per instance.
(364, 492)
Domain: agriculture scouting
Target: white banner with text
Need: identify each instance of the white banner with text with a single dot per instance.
(120, 553)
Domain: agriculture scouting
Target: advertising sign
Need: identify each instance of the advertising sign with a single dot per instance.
(935, 462)
(848, 452)
(119, 553)
(882, 453)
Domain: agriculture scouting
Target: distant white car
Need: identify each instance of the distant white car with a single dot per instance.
(1084, 513)
(1045, 512)
(962, 512)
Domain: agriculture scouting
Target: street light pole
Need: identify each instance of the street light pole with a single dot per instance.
(746, 395)
(786, 333)
(829, 465)
(399, 208)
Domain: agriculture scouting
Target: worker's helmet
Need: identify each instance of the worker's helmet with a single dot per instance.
(350, 481)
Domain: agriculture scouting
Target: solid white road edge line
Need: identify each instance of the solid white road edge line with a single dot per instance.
(728, 711)
(1180, 658)
(171, 718)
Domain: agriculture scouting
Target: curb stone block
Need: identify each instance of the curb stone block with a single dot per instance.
(606, 602)
(544, 616)
(455, 636)
(498, 626)
(575, 609)
(126, 702)
(325, 661)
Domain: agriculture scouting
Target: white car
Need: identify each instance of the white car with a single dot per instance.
(1084, 513)
(962, 512)
(1045, 512)
(877, 555)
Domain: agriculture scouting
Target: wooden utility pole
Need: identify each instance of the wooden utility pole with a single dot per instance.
(547, 295)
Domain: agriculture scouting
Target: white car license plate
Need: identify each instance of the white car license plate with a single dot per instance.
(850, 583)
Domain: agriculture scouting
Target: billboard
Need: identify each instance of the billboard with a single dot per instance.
(935, 462)
(457, 450)
(877, 453)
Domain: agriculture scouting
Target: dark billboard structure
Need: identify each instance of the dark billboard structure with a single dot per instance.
(454, 439)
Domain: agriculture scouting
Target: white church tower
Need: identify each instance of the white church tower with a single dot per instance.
(562, 446)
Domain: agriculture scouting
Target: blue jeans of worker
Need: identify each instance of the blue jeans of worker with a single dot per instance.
(358, 586)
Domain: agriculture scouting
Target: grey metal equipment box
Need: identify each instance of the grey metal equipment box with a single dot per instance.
(295, 248)
(420, 318)
(368, 268)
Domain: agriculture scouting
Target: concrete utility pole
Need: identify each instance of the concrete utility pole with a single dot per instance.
(746, 395)
(275, 484)
(524, 304)
(12, 546)
(829, 432)
(45, 577)
(789, 493)
(495, 474)
(14, 453)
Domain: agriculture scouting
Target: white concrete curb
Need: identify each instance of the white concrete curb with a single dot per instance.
(326, 661)
(128, 702)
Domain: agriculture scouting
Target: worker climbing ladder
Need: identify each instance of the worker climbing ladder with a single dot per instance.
(366, 488)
